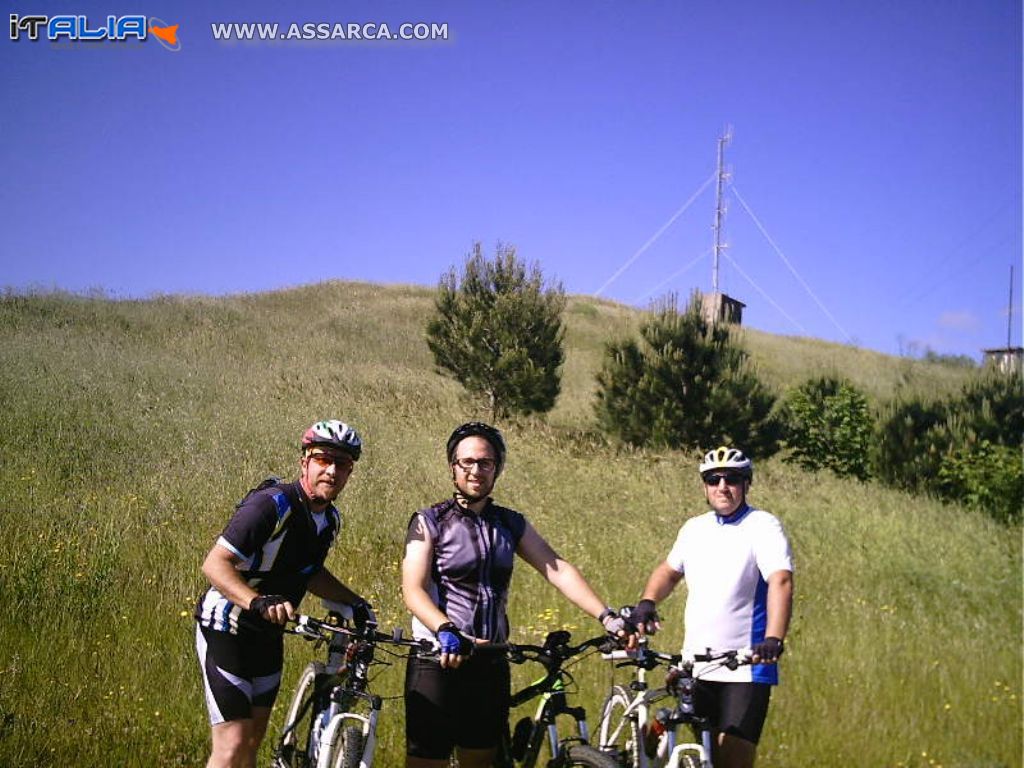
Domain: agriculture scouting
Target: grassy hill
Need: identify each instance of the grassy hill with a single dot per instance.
(128, 430)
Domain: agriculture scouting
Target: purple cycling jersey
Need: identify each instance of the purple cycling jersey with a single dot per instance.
(472, 566)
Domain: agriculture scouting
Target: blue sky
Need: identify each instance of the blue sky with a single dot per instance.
(877, 145)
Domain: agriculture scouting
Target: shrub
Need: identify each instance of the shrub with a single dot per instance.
(684, 384)
(910, 441)
(993, 408)
(828, 426)
(967, 449)
(498, 331)
(986, 477)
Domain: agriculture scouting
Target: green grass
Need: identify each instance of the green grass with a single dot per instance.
(129, 429)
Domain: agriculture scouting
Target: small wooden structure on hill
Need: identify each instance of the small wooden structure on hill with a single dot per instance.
(1006, 360)
(718, 307)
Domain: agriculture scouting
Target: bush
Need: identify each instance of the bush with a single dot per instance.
(685, 384)
(967, 449)
(828, 426)
(994, 409)
(498, 331)
(986, 477)
(910, 441)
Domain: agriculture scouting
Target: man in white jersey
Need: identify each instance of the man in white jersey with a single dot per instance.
(739, 577)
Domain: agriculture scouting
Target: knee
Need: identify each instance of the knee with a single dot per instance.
(234, 747)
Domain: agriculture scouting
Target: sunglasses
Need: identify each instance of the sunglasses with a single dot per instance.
(731, 478)
(326, 459)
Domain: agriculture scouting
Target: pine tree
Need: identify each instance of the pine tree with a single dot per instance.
(498, 331)
(684, 384)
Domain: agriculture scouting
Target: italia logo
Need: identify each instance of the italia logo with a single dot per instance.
(80, 28)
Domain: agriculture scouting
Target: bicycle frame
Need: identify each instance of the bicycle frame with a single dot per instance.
(553, 705)
(348, 683)
(638, 710)
(669, 754)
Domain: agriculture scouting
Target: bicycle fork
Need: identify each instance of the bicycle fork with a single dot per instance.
(366, 723)
(701, 751)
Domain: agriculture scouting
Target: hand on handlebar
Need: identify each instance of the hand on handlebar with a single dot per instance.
(644, 616)
(619, 628)
(454, 646)
(363, 615)
(767, 651)
(273, 608)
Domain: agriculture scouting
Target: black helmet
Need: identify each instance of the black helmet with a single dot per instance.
(478, 429)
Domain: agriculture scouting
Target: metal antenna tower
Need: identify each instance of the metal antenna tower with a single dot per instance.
(719, 206)
(1009, 311)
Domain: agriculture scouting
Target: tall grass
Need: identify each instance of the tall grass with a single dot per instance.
(129, 429)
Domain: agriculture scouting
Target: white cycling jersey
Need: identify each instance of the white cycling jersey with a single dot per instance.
(726, 563)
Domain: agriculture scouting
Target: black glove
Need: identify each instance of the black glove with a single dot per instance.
(614, 624)
(452, 641)
(645, 617)
(362, 614)
(261, 602)
(768, 650)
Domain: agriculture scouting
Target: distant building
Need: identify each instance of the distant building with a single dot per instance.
(1005, 359)
(719, 308)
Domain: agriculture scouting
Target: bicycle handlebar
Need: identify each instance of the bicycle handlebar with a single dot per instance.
(728, 659)
(316, 629)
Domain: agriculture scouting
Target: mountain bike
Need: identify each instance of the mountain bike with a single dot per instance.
(331, 721)
(638, 738)
(521, 748)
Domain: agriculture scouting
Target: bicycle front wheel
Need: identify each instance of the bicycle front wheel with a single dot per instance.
(586, 756)
(349, 751)
(298, 725)
(618, 735)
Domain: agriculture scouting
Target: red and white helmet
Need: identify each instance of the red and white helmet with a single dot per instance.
(333, 434)
(724, 457)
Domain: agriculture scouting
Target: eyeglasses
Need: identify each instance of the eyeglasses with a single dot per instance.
(342, 462)
(731, 478)
(486, 466)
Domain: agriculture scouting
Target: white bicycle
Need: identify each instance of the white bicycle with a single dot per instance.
(332, 718)
(637, 735)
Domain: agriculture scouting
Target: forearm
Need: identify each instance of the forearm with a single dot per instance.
(567, 579)
(422, 607)
(222, 574)
(780, 604)
(662, 581)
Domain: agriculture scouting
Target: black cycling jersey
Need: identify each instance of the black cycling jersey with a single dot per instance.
(282, 544)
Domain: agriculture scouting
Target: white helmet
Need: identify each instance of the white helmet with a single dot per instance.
(727, 458)
(332, 433)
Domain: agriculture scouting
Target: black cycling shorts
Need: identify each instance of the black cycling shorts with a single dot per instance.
(239, 672)
(446, 708)
(738, 709)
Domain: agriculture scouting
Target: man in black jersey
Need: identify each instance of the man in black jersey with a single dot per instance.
(455, 577)
(269, 555)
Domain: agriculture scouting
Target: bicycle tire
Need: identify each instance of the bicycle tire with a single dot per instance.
(586, 756)
(689, 761)
(625, 748)
(349, 751)
(296, 735)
